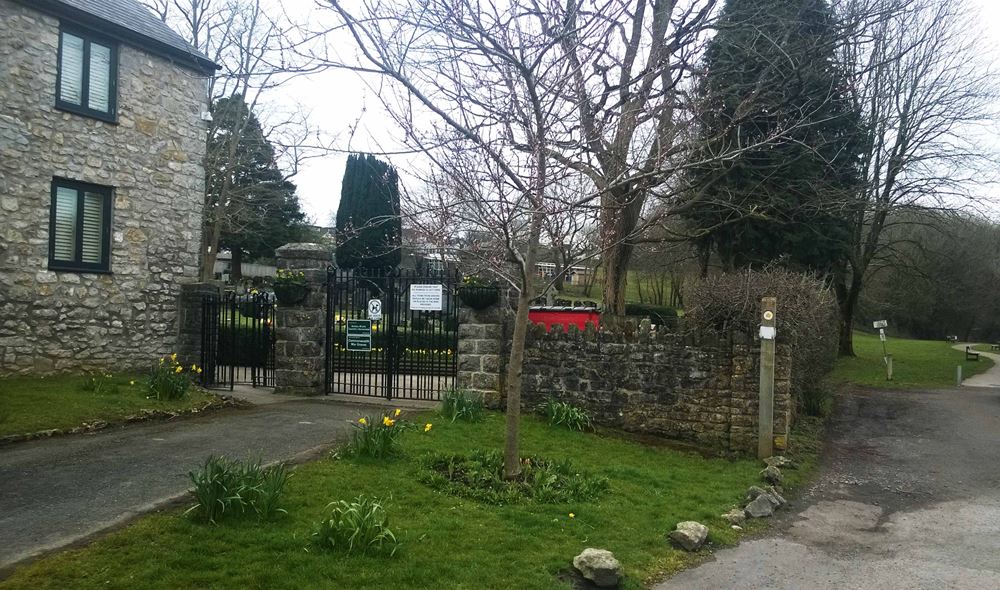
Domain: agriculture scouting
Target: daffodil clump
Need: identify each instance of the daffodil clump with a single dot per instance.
(378, 436)
(479, 475)
(101, 382)
(289, 277)
(169, 379)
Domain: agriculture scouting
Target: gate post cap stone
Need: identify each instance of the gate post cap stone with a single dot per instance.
(690, 535)
(304, 250)
(599, 566)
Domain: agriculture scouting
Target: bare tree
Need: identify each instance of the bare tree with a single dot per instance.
(479, 89)
(627, 135)
(925, 95)
(569, 231)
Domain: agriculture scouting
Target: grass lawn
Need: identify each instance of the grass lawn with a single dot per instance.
(631, 289)
(447, 542)
(916, 363)
(31, 404)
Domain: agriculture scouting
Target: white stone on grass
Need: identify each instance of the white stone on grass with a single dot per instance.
(690, 535)
(599, 566)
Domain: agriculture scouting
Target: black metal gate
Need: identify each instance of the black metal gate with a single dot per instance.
(413, 351)
(237, 340)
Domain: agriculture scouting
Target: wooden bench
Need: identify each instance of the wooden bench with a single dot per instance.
(971, 355)
(994, 346)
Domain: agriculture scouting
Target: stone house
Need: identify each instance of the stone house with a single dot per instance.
(102, 140)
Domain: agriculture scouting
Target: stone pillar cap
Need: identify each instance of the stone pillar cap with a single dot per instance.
(304, 250)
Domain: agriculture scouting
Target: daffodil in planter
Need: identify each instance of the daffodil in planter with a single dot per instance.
(290, 286)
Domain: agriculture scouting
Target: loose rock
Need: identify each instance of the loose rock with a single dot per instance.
(771, 474)
(761, 507)
(781, 462)
(775, 493)
(690, 535)
(735, 516)
(599, 566)
(754, 491)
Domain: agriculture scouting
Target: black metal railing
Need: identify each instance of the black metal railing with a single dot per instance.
(238, 339)
(413, 352)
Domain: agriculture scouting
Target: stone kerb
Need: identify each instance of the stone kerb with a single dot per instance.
(300, 329)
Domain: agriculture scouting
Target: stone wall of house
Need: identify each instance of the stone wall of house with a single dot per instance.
(701, 391)
(66, 321)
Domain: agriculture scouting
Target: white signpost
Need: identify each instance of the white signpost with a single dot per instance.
(881, 325)
(374, 309)
(426, 297)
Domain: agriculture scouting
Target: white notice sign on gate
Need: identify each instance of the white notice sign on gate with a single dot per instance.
(426, 297)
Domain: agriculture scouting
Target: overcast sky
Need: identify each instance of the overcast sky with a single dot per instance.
(338, 101)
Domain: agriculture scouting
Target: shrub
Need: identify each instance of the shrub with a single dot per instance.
(359, 526)
(559, 413)
(226, 488)
(480, 476)
(376, 437)
(459, 404)
(806, 318)
(169, 380)
(100, 383)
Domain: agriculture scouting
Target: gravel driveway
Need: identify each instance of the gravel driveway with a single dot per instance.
(908, 497)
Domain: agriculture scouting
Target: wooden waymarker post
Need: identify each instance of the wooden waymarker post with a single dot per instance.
(765, 421)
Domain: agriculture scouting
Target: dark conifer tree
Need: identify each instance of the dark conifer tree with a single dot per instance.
(369, 228)
(774, 97)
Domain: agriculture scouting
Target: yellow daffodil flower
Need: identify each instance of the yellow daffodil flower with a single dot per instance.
(571, 515)
(388, 421)
(131, 382)
(362, 421)
(198, 371)
(178, 369)
(427, 427)
(398, 412)
(194, 367)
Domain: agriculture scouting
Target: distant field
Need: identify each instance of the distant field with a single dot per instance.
(631, 290)
(916, 363)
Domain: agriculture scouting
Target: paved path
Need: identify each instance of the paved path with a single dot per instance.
(57, 491)
(908, 497)
(988, 378)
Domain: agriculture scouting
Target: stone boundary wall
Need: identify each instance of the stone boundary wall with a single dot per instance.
(638, 379)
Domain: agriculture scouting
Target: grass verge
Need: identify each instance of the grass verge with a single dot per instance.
(33, 404)
(445, 541)
(916, 363)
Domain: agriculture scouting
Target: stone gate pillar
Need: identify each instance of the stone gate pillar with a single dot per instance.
(300, 329)
(480, 353)
(189, 320)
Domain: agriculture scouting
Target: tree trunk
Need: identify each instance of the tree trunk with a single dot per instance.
(615, 264)
(515, 366)
(236, 265)
(560, 271)
(847, 302)
(210, 251)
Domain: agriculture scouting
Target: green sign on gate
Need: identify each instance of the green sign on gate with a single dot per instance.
(359, 335)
